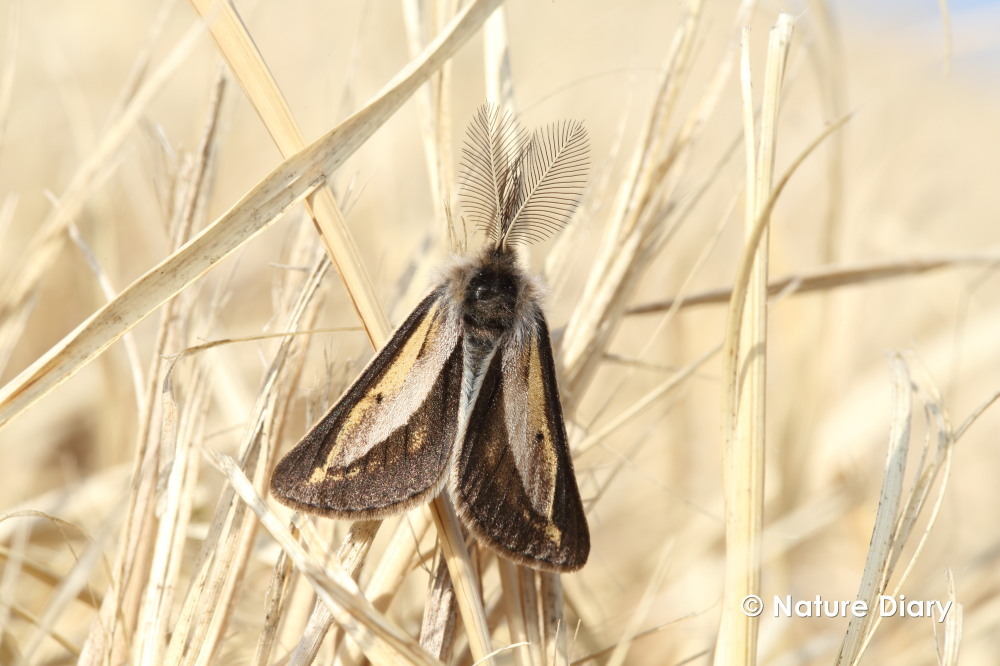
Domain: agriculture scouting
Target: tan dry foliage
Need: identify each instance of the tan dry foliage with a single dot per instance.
(118, 143)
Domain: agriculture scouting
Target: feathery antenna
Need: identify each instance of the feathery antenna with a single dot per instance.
(520, 188)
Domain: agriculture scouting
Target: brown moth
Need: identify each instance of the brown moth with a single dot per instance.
(464, 393)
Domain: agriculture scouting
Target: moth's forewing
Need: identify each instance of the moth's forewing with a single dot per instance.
(513, 480)
(386, 444)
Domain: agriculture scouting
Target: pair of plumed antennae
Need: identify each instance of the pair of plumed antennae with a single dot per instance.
(520, 187)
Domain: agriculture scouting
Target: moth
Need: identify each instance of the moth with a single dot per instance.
(464, 394)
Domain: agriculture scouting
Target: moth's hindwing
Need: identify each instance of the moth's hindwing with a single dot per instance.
(385, 445)
(513, 481)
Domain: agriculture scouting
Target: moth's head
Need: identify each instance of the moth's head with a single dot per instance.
(493, 291)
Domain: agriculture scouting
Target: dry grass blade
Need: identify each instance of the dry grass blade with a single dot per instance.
(496, 59)
(466, 584)
(553, 619)
(827, 278)
(248, 66)
(745, 357)
(69, 587)
(226, 550)
(876, 572)
(381, 642)
(948, 655)
(294, 180)
(934, 461)
(595, 437)
(437, 629)
(512, 601)
(352, 554)
(435, 101)
(617, 267)
(277, 596)
(532, 619)
(16, 564)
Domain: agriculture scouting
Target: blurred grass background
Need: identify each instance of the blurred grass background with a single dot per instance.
(914, 173)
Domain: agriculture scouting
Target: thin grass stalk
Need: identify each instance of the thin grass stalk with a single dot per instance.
(952, 628)
(513, 610)
(434, 102)
(596, 436)
(15, 564)
(939, 424)
(68, 587)
(585, 603)
(8, 649)
(437, 629)
(826, 278)
(588, 325)
(381, 641)
(532, 616)
(890, 500)
(274, 603)
(496, 61)
(121, 606)
(178, 434)
(154, 615)
(467, 595)
(385, 581)
(552, 620)
(744, 390)
(225, 551)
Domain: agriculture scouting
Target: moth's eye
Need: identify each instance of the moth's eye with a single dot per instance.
(488, 285)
